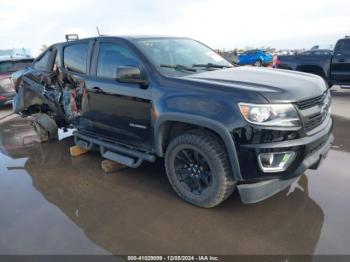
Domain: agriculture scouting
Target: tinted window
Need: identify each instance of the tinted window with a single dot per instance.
(111, 56)
(338, 46)
(75, 57)
(43, 62)
(322, 52)
(346, 47)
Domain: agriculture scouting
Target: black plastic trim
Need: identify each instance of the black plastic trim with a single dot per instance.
(213, 125)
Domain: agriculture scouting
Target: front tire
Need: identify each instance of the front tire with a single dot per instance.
(257, 63)
(198, 169)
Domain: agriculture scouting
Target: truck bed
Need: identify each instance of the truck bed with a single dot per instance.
(315, 64)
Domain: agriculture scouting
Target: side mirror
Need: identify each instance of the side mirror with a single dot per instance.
(130, 74)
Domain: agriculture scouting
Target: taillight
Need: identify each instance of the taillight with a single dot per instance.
(2, 98)
(278, 62)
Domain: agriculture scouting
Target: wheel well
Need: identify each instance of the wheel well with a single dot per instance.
(171, 129)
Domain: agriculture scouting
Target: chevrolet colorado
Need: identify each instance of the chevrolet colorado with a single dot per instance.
(217, 127)
(334, 68)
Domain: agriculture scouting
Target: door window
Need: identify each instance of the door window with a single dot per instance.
(75, 57)
(111, 56)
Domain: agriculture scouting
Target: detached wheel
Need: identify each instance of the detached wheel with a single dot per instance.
(198, 169)
(45, 126)
(257, 63)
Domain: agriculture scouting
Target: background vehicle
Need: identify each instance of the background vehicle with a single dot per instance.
(317, 52)
(255, 57)
(8, 65)
(334, 68)
(217, 127)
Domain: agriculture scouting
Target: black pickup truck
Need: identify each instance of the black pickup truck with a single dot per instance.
(217, 127)
(334, 68)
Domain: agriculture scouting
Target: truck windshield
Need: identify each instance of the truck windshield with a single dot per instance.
(180, 56)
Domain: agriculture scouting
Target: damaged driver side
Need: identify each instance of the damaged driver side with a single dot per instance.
(52, 92)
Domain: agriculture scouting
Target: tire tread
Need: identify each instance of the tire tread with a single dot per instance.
(216, 149)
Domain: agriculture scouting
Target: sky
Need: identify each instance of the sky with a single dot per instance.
(221, 24)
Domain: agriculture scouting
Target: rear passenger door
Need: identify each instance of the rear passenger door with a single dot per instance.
(251, 57)
(76, 56)
(340, 67)
(121, 111)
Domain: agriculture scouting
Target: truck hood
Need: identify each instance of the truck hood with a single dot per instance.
(275, 85)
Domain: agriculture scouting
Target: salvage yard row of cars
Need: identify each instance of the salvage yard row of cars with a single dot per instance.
(218, 127)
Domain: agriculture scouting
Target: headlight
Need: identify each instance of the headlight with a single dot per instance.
(280, 115)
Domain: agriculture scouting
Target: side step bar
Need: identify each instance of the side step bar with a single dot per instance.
(126, 156)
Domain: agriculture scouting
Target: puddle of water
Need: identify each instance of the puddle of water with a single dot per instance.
(29, 223)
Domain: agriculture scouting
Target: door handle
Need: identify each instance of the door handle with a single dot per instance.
(341, 60)
(97, 90)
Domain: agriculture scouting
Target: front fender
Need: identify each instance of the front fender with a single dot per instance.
(210, 124)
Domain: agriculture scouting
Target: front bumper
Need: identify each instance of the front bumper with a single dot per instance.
(306, 149)
(255, 192)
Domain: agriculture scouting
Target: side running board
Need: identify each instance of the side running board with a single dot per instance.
(121, 154)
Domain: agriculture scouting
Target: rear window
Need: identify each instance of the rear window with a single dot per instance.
(75, 57)
(346, 47)
(13, 66)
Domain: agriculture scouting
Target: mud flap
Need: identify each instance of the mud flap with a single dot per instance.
(253, 193)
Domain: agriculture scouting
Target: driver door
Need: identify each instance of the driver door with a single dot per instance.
(119, 111)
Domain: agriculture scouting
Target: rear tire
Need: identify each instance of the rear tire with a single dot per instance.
(198, 168)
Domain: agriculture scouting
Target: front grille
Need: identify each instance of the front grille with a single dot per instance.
(307, 103)
(313, 121)
(313, 111)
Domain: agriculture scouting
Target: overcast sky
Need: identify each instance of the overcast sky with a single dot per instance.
(218, 23)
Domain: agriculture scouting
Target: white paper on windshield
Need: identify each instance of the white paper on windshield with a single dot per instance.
(214, 56)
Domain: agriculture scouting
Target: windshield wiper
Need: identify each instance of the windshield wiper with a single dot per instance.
(211, 65)
(179, 67)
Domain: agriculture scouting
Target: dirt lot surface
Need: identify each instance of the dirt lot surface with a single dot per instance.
(51, 203)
